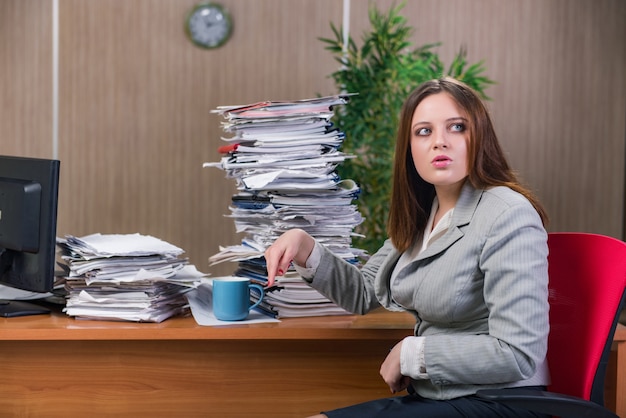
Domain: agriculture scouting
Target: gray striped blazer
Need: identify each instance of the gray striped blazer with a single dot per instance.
(479, 294)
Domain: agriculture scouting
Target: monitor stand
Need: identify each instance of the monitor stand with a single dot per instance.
(13, 308)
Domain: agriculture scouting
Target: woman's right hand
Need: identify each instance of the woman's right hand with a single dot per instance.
(294, 245)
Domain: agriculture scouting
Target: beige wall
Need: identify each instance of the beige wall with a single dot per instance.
(26, 78)
(135, 96)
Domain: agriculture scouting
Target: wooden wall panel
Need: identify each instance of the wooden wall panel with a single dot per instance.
(559, 104)
(26, 78)
(135, 102)
(135, 97)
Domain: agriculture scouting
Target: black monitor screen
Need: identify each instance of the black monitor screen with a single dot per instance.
(28, 218)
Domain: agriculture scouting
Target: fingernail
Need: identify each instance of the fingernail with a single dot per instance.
(280, 272)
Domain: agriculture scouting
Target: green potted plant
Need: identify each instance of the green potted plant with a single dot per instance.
(383, 71)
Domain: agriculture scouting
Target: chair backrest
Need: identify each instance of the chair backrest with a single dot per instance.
(587, 280)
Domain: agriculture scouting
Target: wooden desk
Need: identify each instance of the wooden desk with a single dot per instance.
(56, 366)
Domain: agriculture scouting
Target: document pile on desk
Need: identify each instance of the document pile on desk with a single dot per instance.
(283, 157)
(129, 277)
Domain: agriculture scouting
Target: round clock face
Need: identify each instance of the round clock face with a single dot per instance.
(208, 25)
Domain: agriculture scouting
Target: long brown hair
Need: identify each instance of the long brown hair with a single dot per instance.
(412, 196)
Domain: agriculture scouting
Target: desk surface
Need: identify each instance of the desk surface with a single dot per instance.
(179, 368)
(376, 325)
(379, 324)
(57, 366)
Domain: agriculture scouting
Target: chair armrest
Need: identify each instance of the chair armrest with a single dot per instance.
(546, 402)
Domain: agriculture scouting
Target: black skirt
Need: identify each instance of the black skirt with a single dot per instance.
(414, 406)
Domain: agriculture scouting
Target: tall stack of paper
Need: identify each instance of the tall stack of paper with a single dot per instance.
(283, 156)
(125, 277)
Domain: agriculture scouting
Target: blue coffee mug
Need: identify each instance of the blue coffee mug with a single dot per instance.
(231, 298)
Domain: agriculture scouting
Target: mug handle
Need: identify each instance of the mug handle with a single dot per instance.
(260, 289)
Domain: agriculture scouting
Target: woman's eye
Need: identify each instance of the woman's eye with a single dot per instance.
(458, 127)
(422, 132)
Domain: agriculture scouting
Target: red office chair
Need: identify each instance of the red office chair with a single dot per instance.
(586, 293)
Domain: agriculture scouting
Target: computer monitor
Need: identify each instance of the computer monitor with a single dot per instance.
(28, 220)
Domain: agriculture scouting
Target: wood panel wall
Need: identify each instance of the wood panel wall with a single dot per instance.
(135, 98)
(135, 103)
(26, 78)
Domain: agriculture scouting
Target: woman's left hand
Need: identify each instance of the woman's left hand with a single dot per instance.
(390, 370)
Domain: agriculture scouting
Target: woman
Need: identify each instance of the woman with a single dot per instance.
(467, 256)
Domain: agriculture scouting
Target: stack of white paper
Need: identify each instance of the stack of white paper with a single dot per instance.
(283, 157)
(125, 277)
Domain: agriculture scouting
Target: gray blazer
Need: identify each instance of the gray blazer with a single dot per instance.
(479, 294)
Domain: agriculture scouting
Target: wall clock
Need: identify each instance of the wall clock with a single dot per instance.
(208, 25)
